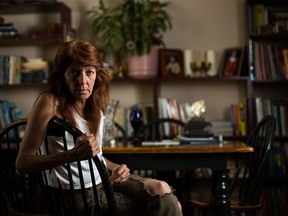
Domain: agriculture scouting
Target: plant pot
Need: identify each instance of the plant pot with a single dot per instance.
(143, 66)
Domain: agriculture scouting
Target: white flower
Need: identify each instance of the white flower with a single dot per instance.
(130, 45)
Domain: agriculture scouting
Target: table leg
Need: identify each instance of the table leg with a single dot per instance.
(220, 192)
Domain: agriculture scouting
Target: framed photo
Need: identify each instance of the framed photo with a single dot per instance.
(232, 62)
(171, 63)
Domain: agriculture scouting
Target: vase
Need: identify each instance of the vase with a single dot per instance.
(143, 66)
(108, 133)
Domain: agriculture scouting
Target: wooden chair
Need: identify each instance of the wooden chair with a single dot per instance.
(120, 135)
(159, 129)
(28, 193)
(249, 179)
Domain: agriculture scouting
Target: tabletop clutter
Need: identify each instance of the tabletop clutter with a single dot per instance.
(198, 132)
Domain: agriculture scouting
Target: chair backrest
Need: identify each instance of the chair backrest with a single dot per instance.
(256, 164)
(120, 135)
(159, 129)
(21, 190)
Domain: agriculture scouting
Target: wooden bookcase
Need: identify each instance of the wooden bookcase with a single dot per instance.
(268, 71)
(252, 88)
(36, 8)
(30, 44)
(249, 87)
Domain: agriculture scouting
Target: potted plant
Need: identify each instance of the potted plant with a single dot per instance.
(131, 30)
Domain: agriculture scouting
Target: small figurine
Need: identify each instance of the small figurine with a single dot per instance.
(198, 109)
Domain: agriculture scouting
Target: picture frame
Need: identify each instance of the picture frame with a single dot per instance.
(171, 63)
(232, 62)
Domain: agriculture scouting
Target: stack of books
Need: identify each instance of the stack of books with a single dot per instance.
(198, 132)
(224, 128)
(34, 70)
(8, 31)
(184, 140)
(200, 129)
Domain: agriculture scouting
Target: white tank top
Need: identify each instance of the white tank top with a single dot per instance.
(59, 175)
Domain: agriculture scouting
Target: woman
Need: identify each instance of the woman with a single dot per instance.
(79, 92)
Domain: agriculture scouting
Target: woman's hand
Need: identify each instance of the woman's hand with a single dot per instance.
(119, 174)
(86, 147)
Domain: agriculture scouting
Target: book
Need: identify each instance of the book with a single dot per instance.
(242, 119)
(251, 60)
(277, 167)
(285, 57)
(259, 108)
(198, 140)
(259, 17)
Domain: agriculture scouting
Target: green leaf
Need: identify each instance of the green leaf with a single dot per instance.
(141, 21)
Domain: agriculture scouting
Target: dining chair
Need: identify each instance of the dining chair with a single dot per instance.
(159, 129)
(28, 193)
(120, 135)
(246, 185)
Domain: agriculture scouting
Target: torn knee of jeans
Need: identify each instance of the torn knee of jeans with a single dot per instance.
(155, 195)
(161, 195)
(146, 189)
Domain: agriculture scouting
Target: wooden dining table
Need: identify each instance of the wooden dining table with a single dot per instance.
(220, 158)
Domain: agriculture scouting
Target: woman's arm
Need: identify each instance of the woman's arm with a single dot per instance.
(27, 160)
(110, 165)
(120, 173)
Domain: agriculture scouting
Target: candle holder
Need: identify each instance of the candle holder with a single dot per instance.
(205, 68)
(136, 120)
(200, 68)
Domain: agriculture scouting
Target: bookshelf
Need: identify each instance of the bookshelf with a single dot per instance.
(267, 45)
(41, 27)
(233, 89)
(268, 72)
(191, 89)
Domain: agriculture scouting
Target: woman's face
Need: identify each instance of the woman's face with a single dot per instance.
(80, 81)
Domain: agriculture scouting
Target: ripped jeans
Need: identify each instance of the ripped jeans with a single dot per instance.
(133, 199)
(132, 194)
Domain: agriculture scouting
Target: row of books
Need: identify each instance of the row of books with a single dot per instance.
(237, 125)
(276, 108)
(9, 112)
(17, 69)
(171, 108)
(239, 118)
(278, 165)
(167, 108)
(263, 20)
(269, 62)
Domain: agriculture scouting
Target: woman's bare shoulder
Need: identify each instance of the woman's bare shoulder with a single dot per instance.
(47, 98)
(46, 102)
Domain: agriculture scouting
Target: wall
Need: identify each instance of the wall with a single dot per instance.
(197, 24)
